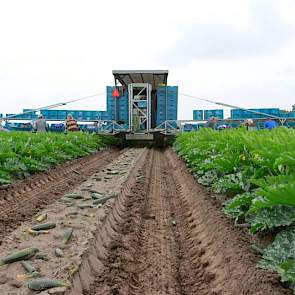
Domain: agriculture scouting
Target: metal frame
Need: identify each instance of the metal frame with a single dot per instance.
(104, 126)
(145, 114)
(109, 126)
(168, 127)
(125, 77)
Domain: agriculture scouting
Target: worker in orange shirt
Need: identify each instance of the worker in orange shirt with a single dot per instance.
(71, 124)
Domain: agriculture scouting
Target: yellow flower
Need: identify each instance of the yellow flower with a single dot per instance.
(243, 157)
(256, 156)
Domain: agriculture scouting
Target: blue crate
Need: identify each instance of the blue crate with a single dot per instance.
(213, 113)
(169, 111)
(243, 114)
(171, 89)
(168, 105)
(198, 114)
(283, 114)
(62, 113)
(169, 97)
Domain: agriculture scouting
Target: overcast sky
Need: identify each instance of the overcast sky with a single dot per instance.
(238, 52)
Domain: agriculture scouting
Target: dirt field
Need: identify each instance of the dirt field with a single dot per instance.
(26, 197)
(161, 234)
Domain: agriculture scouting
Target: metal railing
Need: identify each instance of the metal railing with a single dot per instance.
(178, 126)
(110, 126)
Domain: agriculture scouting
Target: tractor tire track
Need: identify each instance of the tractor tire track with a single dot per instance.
(165, 236)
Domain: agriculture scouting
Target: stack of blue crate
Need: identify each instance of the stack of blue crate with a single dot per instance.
(118, 105)
(28, 116)
(62, 114)
(243, 114)
(79, 115)
(269, 111)
(31, 115)
(198, 115)
(103, 115)
(236, 114)
(49, 114)
(167, 100)
(213, 113)
(284, 114)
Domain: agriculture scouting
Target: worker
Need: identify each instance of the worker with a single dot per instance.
(96, 127)
(2, 128)
(270, 124)
(249, 124)
(40, 124)
(71, 124)
(211, 123)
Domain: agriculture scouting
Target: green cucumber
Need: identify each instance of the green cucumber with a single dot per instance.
(96, 196)
(45, 283)
(95, 191)
(28, 267)
(113, 172)
(37, 232)
(103, 200)
(41, 217)
(28, 276)
(19, 255)
(84, 206)
(73, 196)
(66, 201)
(42, 257)
(67, 236)
(44, 226)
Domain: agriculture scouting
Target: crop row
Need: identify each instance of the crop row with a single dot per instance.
(256, 170)
(24, 153)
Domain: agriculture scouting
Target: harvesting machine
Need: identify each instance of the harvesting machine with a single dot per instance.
(142, 103)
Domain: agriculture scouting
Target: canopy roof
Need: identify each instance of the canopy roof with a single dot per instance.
(155, 78)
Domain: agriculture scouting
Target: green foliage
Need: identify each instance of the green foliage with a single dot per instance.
(231, 184)
(237, 161)
(274, 195)
(24, 153)
(238, 207)
(280, 255)
(270, 218)
(259, 166)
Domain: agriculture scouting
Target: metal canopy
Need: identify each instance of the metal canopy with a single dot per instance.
(155, 78)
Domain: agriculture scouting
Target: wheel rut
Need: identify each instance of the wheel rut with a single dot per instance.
(167, 237)
(146, 257)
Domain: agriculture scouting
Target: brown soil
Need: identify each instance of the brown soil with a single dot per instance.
(161, 235)
(81, 215)
(24, 198)
(167, 237)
